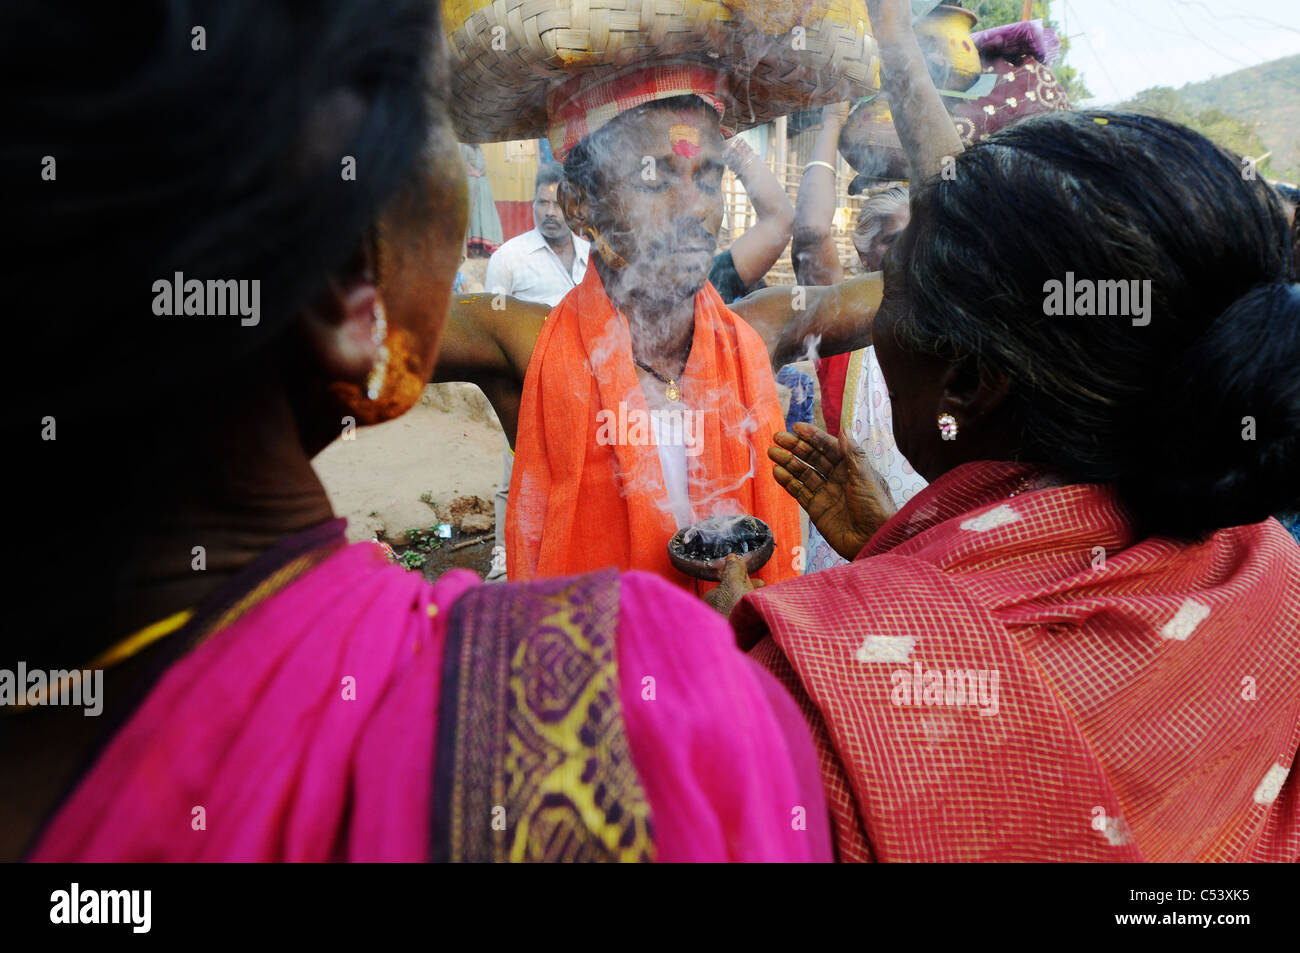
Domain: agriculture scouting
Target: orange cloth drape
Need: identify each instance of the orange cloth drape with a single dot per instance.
(579, 504)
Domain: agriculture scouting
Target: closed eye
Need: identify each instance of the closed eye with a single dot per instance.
(709, 177)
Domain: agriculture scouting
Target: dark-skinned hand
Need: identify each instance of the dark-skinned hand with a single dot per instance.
(734, 585)
(841, 492)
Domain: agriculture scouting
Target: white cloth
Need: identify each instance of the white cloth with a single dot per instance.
(497, 570)
(868, 420)
(672, 459)
(526, 267)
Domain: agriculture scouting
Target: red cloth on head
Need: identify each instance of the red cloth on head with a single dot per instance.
(583, 104)
(1148, 703)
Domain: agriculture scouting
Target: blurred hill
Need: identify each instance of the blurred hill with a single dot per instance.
(1252, 111)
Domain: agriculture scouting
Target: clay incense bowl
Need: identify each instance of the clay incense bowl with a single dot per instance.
(701, 549)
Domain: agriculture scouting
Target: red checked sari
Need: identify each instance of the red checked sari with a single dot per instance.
(1147, 700)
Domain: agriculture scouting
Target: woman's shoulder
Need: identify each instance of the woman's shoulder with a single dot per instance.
(705, 722)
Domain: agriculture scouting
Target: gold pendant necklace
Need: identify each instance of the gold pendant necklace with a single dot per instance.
(671, 390)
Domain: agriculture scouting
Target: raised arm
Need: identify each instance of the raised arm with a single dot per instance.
(833, 319)
(755, 252)
(790, 319)
(812, 249)
(491, 347)
(924, 126)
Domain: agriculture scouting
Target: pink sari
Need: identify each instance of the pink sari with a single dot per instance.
(307, 730)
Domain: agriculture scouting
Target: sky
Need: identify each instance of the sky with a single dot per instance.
(1123, 46)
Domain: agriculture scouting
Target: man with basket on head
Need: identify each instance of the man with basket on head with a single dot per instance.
(643, 403)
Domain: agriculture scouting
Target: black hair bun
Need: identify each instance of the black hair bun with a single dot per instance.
(1223, 424)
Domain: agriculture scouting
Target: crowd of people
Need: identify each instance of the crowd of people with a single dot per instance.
(1045, 612)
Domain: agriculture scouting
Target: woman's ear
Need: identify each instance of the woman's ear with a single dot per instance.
(339, 328)
(573, 203)
(973, 391)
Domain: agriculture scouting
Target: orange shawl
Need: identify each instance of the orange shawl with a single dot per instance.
(579, 504)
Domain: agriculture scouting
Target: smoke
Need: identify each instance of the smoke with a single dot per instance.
(656, 249)
(654, 244)
(717, 536)
(758, 48)
(710, 495)
(716, 496)
(612, 346)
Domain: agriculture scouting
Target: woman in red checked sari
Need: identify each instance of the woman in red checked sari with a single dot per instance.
(270, 692)
(1082, 640)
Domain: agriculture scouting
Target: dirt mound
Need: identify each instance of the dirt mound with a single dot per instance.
(463, 506)
(394, 478)
(460, 399)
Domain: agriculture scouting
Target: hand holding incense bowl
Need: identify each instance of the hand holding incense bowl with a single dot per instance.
(700, 549)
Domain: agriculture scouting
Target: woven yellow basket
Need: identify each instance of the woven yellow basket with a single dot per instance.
(782, 55)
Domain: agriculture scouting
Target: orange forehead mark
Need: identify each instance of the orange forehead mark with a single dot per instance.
(684, 140)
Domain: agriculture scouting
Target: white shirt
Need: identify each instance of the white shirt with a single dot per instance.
(526, 267)
(672, 460)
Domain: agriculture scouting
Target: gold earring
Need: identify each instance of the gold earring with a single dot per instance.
(947, 427)
(611, 257)
(379, 334)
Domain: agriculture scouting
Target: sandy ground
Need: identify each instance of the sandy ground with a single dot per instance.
(448, 446)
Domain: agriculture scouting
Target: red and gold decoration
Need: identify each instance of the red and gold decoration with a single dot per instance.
(1011, 80)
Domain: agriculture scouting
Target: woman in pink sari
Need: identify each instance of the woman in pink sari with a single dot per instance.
(270, 228)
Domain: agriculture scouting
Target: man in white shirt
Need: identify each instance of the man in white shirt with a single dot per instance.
(540, 265)
(544, 263)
